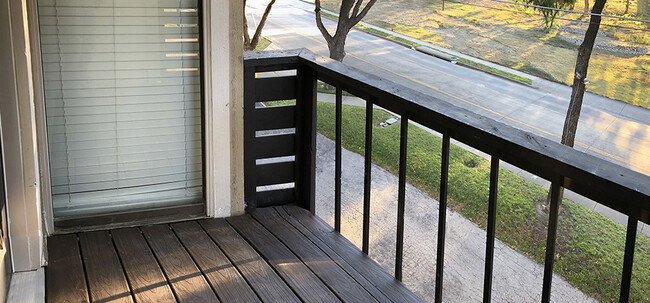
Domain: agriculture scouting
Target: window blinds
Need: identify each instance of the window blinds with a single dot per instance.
(123, 103)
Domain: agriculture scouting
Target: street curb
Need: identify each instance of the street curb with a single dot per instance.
(494, 74)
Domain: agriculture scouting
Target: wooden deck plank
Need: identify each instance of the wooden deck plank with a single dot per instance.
(390, 286)
(229, 285)
(186, 279)
(147, 280)
(299, 277)
(363, 281)
(262, 278)
(106, 280)
(65, 279)
(342, 284)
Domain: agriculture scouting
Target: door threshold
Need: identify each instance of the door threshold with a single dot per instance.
(131, 218)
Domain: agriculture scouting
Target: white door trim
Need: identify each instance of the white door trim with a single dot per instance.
(19, 135)
(223, 101)
(224, 98)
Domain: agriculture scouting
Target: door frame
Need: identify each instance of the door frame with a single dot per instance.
(222, 102)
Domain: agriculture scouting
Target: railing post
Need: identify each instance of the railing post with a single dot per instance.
(306, 138)
(491, 228)
(250, 181)
(401, 195)
(554, 208)
(442, 214)
(338, 159)
(628, 258)
(367, 178)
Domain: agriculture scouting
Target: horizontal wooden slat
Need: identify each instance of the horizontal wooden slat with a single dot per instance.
(294, 272)
(145, 276)
(106, 280)
(224, 278)
(65, 279)
(275, 146)
(259, 274)
(339, 281)
(275, 173)
(275, 197)
(272, 89)
(185, 278)
(390, 286)
(275, 117)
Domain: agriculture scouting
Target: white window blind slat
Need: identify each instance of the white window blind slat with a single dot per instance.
(122, 95)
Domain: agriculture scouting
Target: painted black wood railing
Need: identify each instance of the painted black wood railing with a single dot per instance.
(616, 187)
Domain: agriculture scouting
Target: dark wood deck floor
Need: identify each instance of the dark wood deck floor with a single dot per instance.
(280, 254)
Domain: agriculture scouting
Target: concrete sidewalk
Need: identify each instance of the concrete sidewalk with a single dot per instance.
(588, 203)
(516, 277)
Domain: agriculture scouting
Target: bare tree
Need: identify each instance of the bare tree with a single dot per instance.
(580, 75)
(251, 44)
(350, 13)
(580, 79)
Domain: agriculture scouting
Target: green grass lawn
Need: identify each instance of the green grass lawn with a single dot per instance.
(589, 246)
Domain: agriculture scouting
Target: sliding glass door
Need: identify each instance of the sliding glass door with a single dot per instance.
(123, 104)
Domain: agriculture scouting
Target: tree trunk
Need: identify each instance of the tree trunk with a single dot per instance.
(347, 20)
(251, 43)
(578, 91)
(586, 6)
(247, 38)
(582, 64)
(337, 48)
(627, 7)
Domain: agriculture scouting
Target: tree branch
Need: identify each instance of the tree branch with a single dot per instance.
(357, 6)
(247, 38)
(364, 12)
(260, 26)
(319, 23)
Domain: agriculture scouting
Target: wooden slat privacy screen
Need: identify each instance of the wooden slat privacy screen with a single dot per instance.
(123, 103)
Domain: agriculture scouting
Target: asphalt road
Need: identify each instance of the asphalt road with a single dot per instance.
(608, 128)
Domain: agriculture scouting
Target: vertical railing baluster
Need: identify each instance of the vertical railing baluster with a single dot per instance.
(550, 238)
(442, 215)
(401, 196)
(628, 259)
(338, 160)
(491, 228)
(367, 178)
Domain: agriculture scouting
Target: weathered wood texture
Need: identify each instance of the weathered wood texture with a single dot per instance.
(64, 278)
(106, 280)
(148, 282)
(274, 255)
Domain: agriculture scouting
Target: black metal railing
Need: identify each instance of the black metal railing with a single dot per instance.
(616, 187)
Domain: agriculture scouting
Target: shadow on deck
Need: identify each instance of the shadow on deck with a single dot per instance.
(279, 254)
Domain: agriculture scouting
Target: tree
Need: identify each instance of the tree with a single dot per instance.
(350, 13)
(550, 14)
(251, 44)
(586, 6)
(580, 75)
(580, 79)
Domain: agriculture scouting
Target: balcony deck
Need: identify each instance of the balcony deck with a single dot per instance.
(278, 254)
